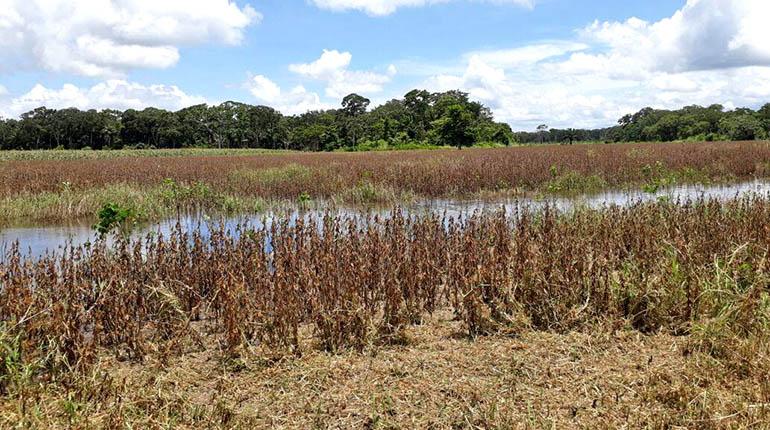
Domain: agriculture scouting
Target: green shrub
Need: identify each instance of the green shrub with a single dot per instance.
(112, 216)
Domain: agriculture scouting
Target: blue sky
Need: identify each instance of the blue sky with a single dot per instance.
(561, 62)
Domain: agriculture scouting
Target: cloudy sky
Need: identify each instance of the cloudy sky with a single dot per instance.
(580, 63)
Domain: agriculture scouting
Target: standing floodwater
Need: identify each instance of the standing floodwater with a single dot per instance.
(37, 240)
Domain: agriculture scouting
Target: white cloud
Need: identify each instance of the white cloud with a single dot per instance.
(674, 83)
(264, 89)
(387, 7)
(544, 93)
(527, 55)
(332, 68)
(113, 94)
(710, 51)
(296, 101)
(703, 35)
(329, 66)
(108, 38)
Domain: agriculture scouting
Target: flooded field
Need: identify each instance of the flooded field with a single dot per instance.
(36, 240)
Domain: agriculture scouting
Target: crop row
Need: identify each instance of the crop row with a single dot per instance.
(355, 282)
(424, 173)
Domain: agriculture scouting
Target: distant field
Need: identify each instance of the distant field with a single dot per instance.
(77, 154)
(234, 180)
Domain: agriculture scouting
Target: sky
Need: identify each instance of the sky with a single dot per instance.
(564, 63)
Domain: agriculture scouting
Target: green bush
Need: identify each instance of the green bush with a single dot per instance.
(112, 216)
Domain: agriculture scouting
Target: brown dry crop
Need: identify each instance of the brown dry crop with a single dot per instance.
(361, 280)
(357, 283)
(425, 173)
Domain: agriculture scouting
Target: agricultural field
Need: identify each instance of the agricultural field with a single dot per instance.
(57, 186)
(262, 303)
(654, 315)
(384, 214)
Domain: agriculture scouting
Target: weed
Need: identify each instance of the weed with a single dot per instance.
(113, 216)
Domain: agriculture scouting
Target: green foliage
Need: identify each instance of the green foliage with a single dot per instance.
(277, 175)
(411, 122)
(419, 118)
(742, 127)
(658, 176)
(304, 199)
(454, 129)
(112, 216)
(382, 145)
(691, 123)
(487, 144)
(573, 182)
(10, 359)
(175, 193)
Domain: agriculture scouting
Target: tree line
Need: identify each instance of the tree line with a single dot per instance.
(419, 118)
(695, 123)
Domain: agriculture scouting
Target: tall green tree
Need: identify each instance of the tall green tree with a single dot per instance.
(741, 126)
(454, 128)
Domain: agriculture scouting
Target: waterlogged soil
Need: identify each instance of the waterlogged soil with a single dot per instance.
(37, 240)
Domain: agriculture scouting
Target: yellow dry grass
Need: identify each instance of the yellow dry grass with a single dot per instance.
(440, 379)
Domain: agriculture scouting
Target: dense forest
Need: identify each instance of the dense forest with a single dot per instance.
(695, 123)
(419, 119)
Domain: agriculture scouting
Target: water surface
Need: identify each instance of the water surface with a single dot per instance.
(39, 240)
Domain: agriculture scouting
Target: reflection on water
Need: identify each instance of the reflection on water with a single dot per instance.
(38, 240)
(608, 198)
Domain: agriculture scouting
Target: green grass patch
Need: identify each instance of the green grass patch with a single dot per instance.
(145, 204)
(657, 177)
(370, 193)
(570, 182)
(273, 176)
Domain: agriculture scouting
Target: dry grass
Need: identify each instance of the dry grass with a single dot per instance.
(425, 173)
(85, 154)
(422, 321)
(439, 380)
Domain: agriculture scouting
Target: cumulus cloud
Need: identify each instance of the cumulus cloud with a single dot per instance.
(328, 66)
(108, 38)
(710, 51)
(264, 89)
(298, 100)
(387, 7)
(526, 96)
(112, 94)
(332, 68)
(703, 35)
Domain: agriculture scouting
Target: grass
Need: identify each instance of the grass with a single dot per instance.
(370, 193)
(601, 379)
(656, 315)
(75, 154)
(571, 182)
(56, 190)
(148, 203)
(273, 176)
(382, 145)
